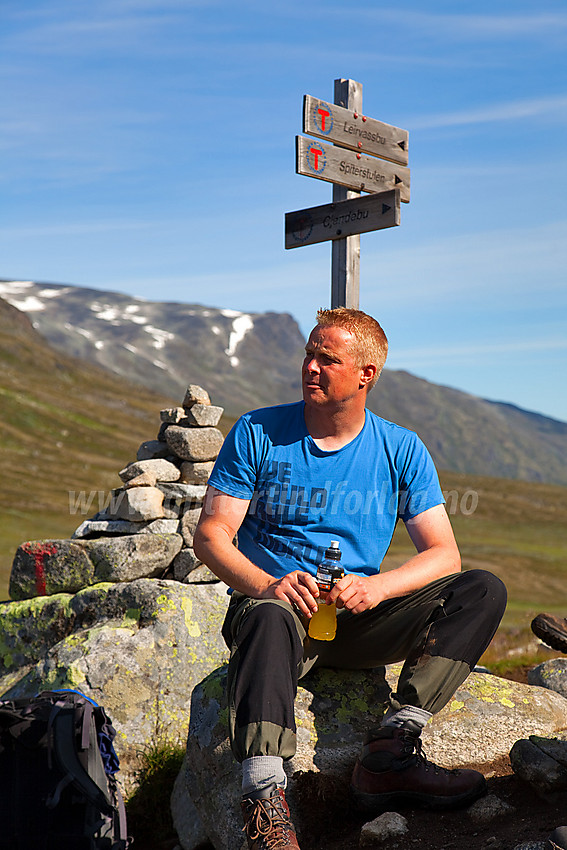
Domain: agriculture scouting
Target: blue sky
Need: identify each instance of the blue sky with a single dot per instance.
(147, 146)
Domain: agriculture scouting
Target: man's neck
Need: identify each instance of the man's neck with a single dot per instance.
(331, 430)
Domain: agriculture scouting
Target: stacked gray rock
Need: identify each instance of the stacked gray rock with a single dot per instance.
(163, 489)
(147, 528)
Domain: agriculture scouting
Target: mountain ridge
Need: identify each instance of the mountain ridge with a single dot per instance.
(249, 360)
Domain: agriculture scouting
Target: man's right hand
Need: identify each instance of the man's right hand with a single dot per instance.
(298, 588)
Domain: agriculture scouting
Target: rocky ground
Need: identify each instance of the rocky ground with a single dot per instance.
(338, 825)
(334, 824)
(529, 822)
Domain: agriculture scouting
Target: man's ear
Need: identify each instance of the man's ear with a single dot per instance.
(368, 374)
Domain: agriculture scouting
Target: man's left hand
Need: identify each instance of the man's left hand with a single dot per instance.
(356, 593)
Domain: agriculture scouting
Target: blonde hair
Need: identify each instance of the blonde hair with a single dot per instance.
(371, 345)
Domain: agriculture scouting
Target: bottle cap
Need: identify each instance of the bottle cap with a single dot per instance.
(333, 552)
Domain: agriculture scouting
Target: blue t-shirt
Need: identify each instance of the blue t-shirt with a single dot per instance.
(302, 497)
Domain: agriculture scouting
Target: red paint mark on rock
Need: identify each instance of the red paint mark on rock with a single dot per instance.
(39, 552)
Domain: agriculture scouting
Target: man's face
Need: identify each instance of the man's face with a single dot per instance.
(330, 373)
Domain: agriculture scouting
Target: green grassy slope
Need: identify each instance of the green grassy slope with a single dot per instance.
(65, 426)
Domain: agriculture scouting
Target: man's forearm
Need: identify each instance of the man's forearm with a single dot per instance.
(421, 569)
(222, 557)
(360, 593)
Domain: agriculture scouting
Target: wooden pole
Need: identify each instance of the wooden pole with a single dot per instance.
(345, 261)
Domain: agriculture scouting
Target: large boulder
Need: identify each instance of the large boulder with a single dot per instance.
(487, 715)
(133, 556)
(551, 674)
(137, 648)
(542, 763)
(334, 710)
(45, 567)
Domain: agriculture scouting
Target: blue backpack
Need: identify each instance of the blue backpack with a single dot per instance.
(58, 789)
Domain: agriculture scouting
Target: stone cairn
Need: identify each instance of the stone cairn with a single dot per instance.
(147, 528)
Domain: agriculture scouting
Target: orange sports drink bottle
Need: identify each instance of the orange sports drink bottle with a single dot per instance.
(323, 623)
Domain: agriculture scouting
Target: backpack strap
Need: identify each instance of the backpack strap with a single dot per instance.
(120, 828)
(86, 725)
(63, 744)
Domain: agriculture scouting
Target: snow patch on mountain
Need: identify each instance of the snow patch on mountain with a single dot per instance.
(83, 332)
(105, 312)
(130, 312)
(55, 292)
(10, 290)
(160, 337)
(240, 327)
(115, 315)
(14, 287)
(31, 304)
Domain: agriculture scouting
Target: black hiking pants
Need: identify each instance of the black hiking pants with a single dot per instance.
(439, 631)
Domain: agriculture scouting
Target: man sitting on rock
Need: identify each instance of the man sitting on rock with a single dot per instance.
(288, 480)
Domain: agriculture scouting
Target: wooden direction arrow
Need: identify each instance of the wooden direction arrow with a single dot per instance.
(352, 130)
(336, 221)
(353, 170)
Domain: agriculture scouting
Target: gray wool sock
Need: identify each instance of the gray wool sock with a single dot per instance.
(259, 772)
(408, 714)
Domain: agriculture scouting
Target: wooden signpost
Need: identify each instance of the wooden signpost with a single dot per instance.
(337, 221)
(354, 170)
(352, 130)
(365, 156)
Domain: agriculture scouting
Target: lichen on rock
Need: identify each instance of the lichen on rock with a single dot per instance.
(138, 648)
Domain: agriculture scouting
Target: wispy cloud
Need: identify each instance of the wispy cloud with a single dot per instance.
(496, 26)
(436, 353)
(69, 29)
(499, 268)
(78, 229)
(469, 27)
(551, 106)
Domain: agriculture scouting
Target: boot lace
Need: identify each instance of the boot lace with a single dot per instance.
(413, 754)
(267, 824)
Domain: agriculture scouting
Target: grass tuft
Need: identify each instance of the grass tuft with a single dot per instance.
(149, 809)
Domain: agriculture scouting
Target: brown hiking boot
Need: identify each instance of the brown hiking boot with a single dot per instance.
(267, 822)
(392, 768)
(551, 630)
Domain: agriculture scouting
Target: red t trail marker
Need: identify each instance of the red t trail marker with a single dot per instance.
(321, 114)
(358, 154)
(352, 130)
(40, 551)
(356, 171)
